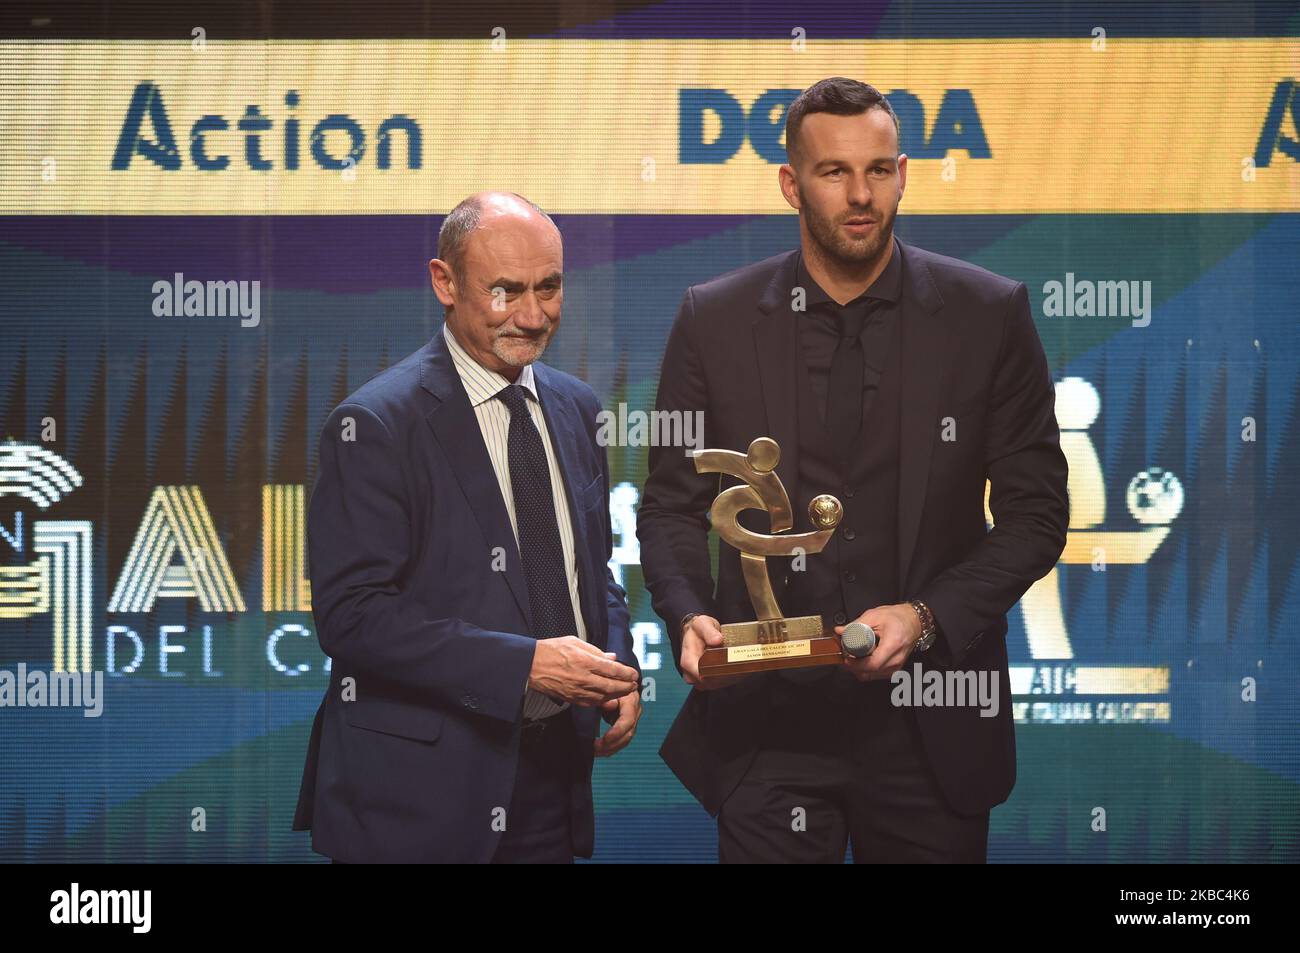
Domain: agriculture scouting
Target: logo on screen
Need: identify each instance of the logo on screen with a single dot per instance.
(712, 125)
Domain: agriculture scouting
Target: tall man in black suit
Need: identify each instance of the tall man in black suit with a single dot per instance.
(898, 380)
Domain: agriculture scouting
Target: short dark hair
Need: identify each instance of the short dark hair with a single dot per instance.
(840, 97)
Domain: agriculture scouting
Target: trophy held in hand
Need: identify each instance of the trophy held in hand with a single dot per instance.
(772, 641)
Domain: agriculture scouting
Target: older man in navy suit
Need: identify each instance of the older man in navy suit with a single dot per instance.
(458, 538)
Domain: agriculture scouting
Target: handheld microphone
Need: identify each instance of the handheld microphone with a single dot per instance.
(859, 640)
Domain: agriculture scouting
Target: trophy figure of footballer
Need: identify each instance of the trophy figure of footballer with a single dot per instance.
(771, 641)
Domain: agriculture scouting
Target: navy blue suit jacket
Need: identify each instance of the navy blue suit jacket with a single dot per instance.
(416, 741)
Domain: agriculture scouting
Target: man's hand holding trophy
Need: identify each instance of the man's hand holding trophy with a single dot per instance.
(714, 655)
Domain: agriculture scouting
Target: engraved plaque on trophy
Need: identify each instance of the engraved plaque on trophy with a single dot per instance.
(772, 640)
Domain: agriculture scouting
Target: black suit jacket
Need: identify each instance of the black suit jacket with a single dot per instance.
(969, 352)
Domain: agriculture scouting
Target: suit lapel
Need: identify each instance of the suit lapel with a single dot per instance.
(927, 344)
(776, 343)
(457, 431)
(562, 415)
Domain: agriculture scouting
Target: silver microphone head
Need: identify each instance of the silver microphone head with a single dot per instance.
(859, 639)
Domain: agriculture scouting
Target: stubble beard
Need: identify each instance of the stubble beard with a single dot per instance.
(850, 252)
(516, 350)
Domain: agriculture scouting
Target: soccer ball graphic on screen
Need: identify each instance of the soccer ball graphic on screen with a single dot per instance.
(1155, 496)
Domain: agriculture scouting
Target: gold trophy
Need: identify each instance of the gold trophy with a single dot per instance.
(772, 641)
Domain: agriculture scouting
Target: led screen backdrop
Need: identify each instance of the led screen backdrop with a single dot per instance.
(207, 243)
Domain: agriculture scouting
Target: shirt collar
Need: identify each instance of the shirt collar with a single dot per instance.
(888, 286)
(481, 384)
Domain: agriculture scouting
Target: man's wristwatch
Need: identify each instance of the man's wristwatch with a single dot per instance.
(929, 631)
(686, 620)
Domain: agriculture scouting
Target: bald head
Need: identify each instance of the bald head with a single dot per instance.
(478, 209)
(499, 275)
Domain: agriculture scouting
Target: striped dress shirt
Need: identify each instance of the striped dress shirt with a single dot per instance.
(481, 386)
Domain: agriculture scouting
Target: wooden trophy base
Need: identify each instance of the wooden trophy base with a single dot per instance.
(769, 644)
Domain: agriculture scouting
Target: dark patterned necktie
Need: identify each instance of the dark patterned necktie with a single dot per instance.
(539, 532)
